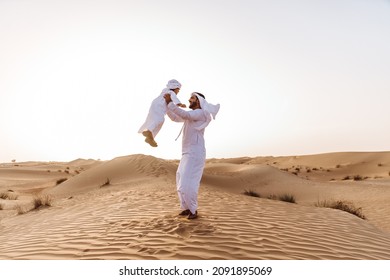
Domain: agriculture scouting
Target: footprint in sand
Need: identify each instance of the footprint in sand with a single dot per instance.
(181, 230)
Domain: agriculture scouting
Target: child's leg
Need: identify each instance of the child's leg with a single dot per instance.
(156, 128)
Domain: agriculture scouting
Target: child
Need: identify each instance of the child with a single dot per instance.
(157, 112)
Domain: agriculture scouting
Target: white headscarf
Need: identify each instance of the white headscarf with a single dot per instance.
(208, 108)
(173, 84)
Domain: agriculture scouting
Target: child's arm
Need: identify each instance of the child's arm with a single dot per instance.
(174, 98)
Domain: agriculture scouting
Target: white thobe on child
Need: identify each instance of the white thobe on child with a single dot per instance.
(157, 111)
(190, 170)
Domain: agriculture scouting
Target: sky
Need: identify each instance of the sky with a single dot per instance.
(77, 77)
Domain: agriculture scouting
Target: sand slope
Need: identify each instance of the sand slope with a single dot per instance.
(135, 215)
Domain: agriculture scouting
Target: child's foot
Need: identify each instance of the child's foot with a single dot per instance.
(149, 138)
(151, 142)
(147, 134)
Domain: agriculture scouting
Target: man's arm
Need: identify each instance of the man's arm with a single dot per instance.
(195, 115)
(174, 117)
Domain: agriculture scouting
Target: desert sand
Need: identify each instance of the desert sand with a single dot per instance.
(127, 208)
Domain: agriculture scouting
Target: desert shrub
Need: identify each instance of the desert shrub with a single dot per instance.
(283, 197)
(342, 205)
(346, 178)
(20, 209)
(59, 181)
(42, 200)
(251, 193)
(357, 178)
(3, 195)
(1, 206)
(107, 183)
(287, 198)
(338, 166)
(8, 195)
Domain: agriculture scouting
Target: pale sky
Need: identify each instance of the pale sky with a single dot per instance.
(293, 77)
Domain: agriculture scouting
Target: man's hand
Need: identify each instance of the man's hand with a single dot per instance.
(167, 98)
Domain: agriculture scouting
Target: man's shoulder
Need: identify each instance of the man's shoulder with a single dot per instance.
(198, 111)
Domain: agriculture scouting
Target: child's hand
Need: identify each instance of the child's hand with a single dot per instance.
(182, 105)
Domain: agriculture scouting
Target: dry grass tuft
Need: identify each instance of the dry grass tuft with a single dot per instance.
(357, 178)
(342, 205)
(284, 197)
(42, 200)
(59, 181)
(251, 193)
(21, 210)
(8, 195)
(39, 201)
(287, 198)
(107, 183)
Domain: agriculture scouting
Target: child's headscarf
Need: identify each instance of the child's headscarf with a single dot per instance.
(173, 84)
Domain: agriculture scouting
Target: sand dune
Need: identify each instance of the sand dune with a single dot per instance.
(127, 208)
(117, 171)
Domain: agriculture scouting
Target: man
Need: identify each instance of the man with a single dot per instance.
(190, 170)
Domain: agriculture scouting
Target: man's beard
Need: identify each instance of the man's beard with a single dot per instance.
(192, 105)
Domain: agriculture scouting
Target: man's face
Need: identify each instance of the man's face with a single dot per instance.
(194, 102)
